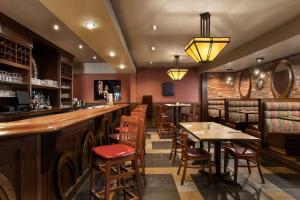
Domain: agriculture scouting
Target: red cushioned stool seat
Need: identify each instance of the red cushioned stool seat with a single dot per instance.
(113, 151)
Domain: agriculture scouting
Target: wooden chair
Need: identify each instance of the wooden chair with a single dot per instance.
(193, 154)
(109, 160)
(192, 115)
(176, 145)
(165, 122)
(250, 153)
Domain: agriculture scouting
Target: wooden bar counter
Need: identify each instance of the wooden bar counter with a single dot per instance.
(49, 157)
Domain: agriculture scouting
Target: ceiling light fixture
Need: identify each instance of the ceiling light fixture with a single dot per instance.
(256, 72)
(56, 27)
(206, 48)
(80, 46)
(122, 66)
(151, 62)
(94, 57)
(153, 48)
(90, 25)
(259, 60)
(262, 75)
(112, 54)
(176, 73)
(154, 27)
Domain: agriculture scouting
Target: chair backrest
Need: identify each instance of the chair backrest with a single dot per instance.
(254, 145)
(184, 145)
(174, 133)
(130, 131)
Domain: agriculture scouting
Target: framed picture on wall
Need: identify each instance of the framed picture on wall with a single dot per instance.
(167, 89)
(103, 87)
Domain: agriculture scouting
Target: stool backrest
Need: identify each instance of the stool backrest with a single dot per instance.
(130, 131)
(142, 119)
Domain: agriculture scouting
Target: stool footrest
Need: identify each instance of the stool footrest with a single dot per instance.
(100, 194)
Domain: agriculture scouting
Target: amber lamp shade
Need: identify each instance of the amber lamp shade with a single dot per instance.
(177, 74)
(206, 49)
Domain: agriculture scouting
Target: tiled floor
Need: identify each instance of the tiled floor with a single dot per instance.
(163, 183)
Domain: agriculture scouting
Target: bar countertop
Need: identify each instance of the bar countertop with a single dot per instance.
(51, 123)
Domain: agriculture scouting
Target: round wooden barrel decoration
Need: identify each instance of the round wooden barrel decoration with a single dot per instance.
(7, 191)
(66, 174)
(88, 144)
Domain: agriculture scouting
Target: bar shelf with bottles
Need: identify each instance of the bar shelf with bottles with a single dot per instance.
(66, 94)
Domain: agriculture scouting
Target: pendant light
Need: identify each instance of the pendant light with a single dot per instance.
(176, 73)
(205, 48)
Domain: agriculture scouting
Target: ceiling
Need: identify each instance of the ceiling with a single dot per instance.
(269, 28)
(178, 21)
(106, 37)
(40, 20)
(279, 50)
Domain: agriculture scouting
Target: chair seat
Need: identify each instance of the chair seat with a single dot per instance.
(226, 144)
(237, 150)
(198, 153)
(113, 151)
(190, 142)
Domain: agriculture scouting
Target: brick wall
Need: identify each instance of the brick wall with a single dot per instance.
(217, 87)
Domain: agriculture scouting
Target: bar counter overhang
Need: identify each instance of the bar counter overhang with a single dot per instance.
(49, 157)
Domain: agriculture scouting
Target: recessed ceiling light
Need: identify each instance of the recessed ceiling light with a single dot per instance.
(122, 66)
(259, 59)
(151, 62)
(80, 46)
(154, 27)
(90, 25)
(94, 57)
(56, 27)
(112, 54)
(153, 48)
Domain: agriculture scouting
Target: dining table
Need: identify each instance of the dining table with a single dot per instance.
(220, 109)
(216, 133)
(247, 113)
(177, 111)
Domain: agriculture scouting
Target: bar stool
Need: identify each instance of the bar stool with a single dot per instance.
(110, 160)
(141, 115)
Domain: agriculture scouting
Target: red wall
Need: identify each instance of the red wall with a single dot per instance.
(145, 82)
(149, 82)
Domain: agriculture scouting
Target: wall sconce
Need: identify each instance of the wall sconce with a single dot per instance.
(229, 80)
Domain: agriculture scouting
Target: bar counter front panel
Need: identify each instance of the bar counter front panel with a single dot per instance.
(49, 157)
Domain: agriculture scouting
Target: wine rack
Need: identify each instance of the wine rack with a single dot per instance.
(15, 54)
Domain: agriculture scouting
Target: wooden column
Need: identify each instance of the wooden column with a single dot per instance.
(203, 98)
